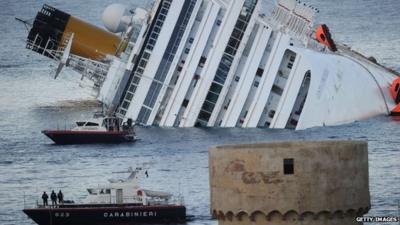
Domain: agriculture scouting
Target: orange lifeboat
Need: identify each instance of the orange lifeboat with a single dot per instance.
(323, 36)
(395, 92)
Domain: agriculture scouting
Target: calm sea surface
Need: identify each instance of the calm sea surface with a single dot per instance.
(30, 101)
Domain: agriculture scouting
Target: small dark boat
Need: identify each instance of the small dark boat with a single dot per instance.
(106, 130)
(122, 202)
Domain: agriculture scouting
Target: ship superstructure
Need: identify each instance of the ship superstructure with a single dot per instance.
(224, 63)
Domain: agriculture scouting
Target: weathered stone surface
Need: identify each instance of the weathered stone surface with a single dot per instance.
(329, 184)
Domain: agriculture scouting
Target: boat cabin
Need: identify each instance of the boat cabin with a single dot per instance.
(105, 124)
(123, 195)
(128, 191)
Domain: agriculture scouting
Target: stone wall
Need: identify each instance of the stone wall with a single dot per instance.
(289, 183)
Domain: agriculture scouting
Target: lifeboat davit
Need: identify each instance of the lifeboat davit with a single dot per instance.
(324, 37)
(395, 92)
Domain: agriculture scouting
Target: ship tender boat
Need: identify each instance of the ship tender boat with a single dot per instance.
(121, 202)
(104, 130)
(219, 63)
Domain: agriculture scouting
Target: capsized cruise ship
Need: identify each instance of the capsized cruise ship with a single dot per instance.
(218, 63)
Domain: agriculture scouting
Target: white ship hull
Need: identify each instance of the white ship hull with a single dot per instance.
(221, 63)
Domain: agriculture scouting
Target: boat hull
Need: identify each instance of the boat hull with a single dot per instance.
(88, 137)
(125, 215)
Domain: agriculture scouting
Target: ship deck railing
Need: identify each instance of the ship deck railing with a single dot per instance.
(89, 205)
(126, 201)
(99, 205)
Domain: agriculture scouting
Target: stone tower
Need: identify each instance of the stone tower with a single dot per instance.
(310, 183)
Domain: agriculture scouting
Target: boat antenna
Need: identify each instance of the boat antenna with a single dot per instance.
(132, 175)
(102, 106)
(24, 201)
(27, 23)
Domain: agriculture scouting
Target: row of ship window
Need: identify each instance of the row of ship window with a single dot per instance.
(145, 57)
(169, 54)
(225, 64)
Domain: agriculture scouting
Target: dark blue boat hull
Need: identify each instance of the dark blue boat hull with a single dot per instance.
(88, 137)
(124, 215)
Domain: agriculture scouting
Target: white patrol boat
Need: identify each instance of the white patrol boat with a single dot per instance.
(119, 202)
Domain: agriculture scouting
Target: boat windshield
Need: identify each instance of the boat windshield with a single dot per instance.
(101, 191)
(87, 124)
(91, 124)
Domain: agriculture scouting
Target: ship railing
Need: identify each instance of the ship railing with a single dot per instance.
(291, 23)
(108, 199)
(346, 50)
(132, 199)
(351, 52)
(52, 53)
(64, 126)
(50, 206)
(95, 71)
(113, 200)
(125, 55)
(175, 200)
(38, 203)
(124, 200)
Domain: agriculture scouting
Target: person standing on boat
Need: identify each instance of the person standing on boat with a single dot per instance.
(45, 197)
(60, 197)
(53, 197)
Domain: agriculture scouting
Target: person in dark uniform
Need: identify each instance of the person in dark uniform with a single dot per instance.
(53, 197)
(45, 197)
(60, 197)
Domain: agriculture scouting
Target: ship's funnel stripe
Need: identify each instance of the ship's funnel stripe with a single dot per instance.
(51, 30)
